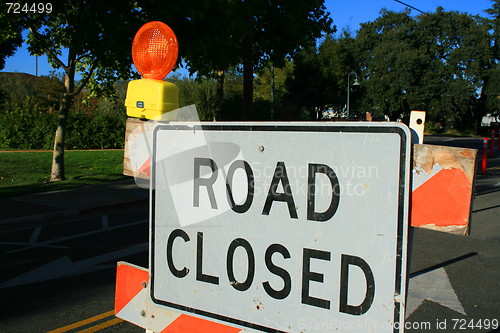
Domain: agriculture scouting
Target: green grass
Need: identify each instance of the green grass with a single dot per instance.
(29, 172)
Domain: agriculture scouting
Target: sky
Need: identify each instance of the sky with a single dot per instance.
(350, 13)
(345, 14)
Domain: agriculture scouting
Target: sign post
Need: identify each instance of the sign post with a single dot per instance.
(281, 228)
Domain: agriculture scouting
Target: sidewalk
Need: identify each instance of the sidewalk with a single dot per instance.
(47, 205)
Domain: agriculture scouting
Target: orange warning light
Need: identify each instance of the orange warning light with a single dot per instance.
(155, 50)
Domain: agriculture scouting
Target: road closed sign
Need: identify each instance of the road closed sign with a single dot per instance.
(282, 227)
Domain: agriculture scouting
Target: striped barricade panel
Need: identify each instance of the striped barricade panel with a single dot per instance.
(443, 182)
(133, 304)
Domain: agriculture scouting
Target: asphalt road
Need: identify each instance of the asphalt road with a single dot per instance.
(466, 265)
(65, 273)
(62, 279)
(459, 274)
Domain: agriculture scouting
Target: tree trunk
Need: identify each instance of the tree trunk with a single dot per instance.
(57, 170)
(273, 88)
(248, 77)
(219, 96)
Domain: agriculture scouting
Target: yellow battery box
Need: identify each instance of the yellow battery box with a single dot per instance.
(149, 99)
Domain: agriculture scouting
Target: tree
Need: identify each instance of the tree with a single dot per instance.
(221, 34)
(494, 24)
(304, 86)
(490, 97)
(433, 62)
(273, 30)
(270, 86)
(459, 45)
(10, 34)
(390, 61)
(319, 79)
(338, 58)
(206, 34)
(97, 38)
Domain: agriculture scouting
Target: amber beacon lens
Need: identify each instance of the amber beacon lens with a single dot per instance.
(155, 50)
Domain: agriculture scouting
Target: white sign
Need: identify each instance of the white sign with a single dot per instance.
(282, 227)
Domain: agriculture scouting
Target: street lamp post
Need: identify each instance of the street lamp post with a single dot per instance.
(356, 83)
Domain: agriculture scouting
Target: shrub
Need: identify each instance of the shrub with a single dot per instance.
(27, 128)
(32, 128)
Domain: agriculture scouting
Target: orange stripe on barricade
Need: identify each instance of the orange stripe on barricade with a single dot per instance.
(190, 324)
(442, 200)
(133, 304)
(129, 282)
